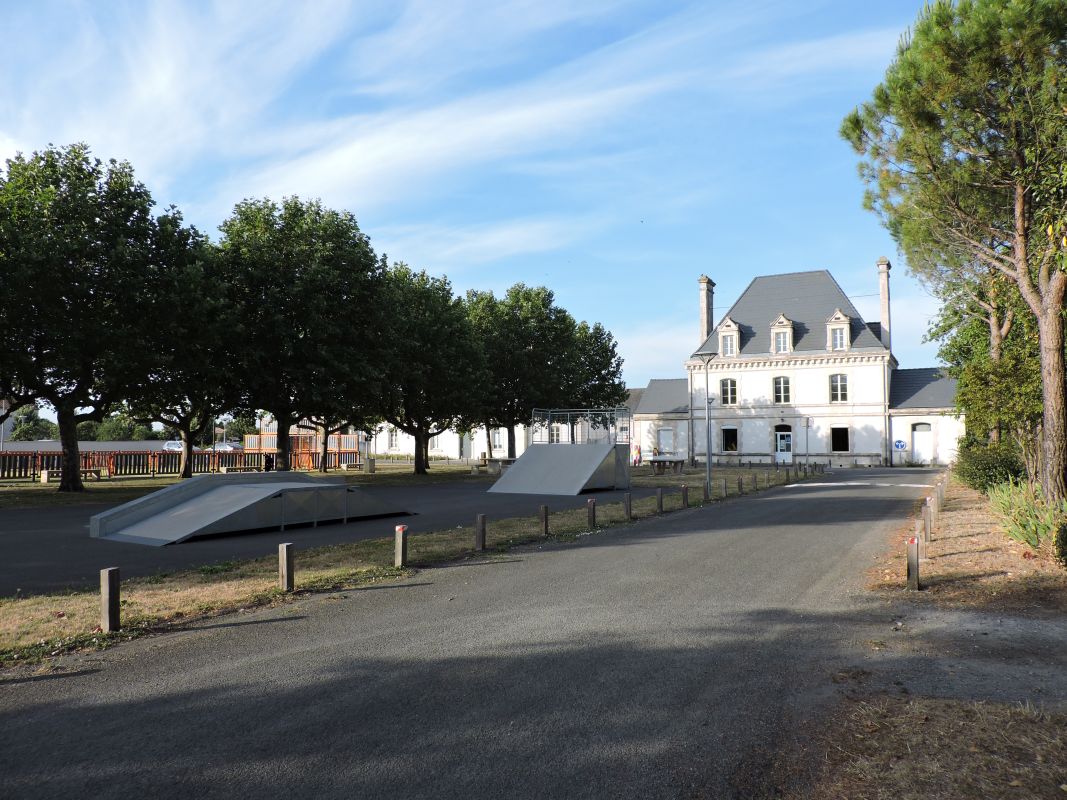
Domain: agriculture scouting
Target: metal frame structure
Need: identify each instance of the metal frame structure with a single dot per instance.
(583, 425)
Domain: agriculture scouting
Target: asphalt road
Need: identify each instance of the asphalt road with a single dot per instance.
(49, 549)
(667, 659)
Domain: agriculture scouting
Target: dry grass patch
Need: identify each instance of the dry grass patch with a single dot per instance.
(935, 749)
(25, 494)
(973, 564)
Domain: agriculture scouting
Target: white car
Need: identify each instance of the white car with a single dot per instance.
(172, 447)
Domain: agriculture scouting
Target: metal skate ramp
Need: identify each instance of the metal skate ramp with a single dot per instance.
(216, 504)
(567, 469)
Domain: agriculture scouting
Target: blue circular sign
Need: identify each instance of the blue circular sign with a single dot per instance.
(900, 444)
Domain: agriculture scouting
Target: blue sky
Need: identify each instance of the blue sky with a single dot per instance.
(612, 151)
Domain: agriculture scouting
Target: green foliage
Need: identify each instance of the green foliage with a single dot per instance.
(29, 427)
(1025, 513)
(1060, 545)
(982, 466)
(120, 427)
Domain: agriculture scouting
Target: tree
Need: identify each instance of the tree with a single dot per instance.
(29, 427)
(121, 427)
(432, 369)
(964, 146)
(304, 282)
(75, 238)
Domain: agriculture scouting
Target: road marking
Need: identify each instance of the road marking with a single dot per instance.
(863, 483)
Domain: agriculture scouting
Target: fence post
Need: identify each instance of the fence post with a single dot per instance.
(400, 546)
(590, 510)
(659, 500)
(627, 506)
(109, 599)
(544, 521)
(685, 496)
(913, 563)
(286, 576)
(479, 532)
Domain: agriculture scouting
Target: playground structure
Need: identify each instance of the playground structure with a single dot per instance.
(572, 451)
(230, 503)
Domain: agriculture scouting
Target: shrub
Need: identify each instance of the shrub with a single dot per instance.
(1027, 516)
(982, 466)
(1061, 545)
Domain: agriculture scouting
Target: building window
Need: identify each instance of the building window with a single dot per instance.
(728, 391)
(729, 440)
(497, 439)
(838, 388)
(729, 346)
(394, 439)
(839, 440)
(837, 339)
(781, 390)
(781, 341)
(553, 434)
(435, 442)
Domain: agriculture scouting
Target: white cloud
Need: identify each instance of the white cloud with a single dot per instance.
(656, 348)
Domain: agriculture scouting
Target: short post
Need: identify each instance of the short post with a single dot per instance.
(400, 547)
(922, 541)
(927, 522)
(685, 496)
(913, 563)
(767, 478)
(627, 506)
(707, 491)
(724, 488)
(479, 532)
(109, 599)
(544, 521)
(590, 512)
(755, 481)
(740, 485)
(659, 500)
(286, 576)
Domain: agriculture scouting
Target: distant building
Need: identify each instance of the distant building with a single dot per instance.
(792, 372)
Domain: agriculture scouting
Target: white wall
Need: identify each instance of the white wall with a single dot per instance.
(947, 431)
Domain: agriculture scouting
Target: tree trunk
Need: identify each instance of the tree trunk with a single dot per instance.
(283, 460)
(996, 341)
(511, 441)
(324, 450)
(420, 450)
(426, 452)
(70, 477)
(488, 440)
(1054, 423)
(185, 433)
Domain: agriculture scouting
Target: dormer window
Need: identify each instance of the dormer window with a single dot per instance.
(729, 338)
(837, 331)
(782, 335)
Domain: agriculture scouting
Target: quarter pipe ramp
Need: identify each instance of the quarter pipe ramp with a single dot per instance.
(567, 469)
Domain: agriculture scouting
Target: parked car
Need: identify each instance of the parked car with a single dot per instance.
(226, 447)
(172, 446)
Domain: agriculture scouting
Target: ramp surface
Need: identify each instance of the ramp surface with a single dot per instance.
(567, 469)
(215, 504)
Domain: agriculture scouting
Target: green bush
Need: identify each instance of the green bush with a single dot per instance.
(1061, 545)
(1027, 516)
(982, 466)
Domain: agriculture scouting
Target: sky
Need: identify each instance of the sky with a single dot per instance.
(611, 151)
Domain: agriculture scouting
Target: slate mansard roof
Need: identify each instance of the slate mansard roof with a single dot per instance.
(808, 299)
(928, 387)
(665, 396)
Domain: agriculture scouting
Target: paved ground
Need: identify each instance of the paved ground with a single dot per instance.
(667, 659)
(49, 549)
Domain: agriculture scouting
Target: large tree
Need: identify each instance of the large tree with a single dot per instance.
(75, 244)
(305, 285)
(433, 367)
(964, 145)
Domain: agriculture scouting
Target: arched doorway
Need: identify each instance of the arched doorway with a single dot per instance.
(783, 444)
(922, 443)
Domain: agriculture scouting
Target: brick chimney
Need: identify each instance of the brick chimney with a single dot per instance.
(883, 291)
(707, 307)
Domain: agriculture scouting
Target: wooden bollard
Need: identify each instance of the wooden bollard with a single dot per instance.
(707, 490)
(913, 563)
(659, 500)
(590, 512)
(544, 521)
(724, 488)
(740, 485)
(109, 599)
(767, 478)
(755, 481)
(400, 546)
(479, 532)
(286, 576)
(928, 525)
(685, 496)
(627, 506)
(922, 540)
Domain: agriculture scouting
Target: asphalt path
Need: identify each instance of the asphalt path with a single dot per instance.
(49, 549)
(668, 658)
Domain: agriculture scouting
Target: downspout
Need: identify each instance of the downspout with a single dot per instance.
(692, 443)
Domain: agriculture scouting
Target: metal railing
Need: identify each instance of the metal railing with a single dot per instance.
(581, 425)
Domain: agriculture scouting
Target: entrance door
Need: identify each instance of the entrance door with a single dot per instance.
(783, 444)
(922, 443)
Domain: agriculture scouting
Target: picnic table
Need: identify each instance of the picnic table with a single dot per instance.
(662, 464)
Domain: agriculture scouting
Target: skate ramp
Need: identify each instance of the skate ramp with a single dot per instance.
(567, 469)
(216, 504)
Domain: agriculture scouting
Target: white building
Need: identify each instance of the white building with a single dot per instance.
(793, 373)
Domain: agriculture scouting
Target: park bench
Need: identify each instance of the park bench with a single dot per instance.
(238, 469)
(46, 474)
(353, 467)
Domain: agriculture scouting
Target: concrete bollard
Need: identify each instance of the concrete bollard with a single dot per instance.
(286, 575)
(685, 496)
(400, 546)
(590, 512)
(913, 563)
(109, 599)
(659, 501)
(724, 488)
(627, 506)
(479, 532)
(928, 523)
(544, 521)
